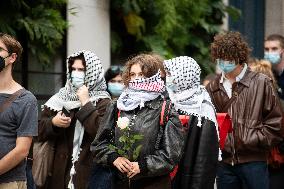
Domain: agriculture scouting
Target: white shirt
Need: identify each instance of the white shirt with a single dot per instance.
(228, 85)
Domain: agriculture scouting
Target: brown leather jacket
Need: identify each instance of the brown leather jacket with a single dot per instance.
(90, 116)
(256, 117)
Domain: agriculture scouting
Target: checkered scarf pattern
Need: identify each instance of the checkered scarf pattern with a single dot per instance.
(94, 77)
(190, 98)
(94, 80)
(140, 91)
(190, 95)
(152, 84)
(185, 71)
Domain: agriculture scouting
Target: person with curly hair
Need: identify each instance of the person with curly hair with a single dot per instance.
(140, 104)
(249, 98)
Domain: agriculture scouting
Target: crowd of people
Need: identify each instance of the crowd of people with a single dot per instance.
(150, 123)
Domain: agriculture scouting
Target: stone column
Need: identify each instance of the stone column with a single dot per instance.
(274, 17)
(89, 28)
(225, 25)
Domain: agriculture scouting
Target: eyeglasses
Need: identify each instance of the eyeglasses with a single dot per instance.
(2, 49)
(116, 67)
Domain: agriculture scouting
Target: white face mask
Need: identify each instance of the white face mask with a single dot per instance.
(170, 84)
(77, 78)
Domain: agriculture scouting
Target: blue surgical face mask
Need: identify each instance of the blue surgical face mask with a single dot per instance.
(274, 58)
(115, 88)
(78, 78)
(170, 84)
(226, 66)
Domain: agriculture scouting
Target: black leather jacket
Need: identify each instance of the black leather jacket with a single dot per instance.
(198, 166)
(154, 160)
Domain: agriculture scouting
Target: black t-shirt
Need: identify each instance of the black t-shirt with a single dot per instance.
(280, 83)
(20, 119)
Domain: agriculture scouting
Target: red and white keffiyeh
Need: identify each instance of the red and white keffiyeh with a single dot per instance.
(140, 91)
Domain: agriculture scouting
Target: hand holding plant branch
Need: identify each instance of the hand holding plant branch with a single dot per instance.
(127, 149)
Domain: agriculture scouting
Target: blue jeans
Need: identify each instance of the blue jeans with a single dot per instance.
(101, 177)
(252, 175)
(29, 174)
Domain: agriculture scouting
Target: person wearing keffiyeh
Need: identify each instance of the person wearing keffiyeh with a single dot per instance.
(141, 102)
(198, 166)
(84, 96)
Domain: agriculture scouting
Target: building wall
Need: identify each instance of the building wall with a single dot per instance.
(274, 17)
(250, 24)
(89, 28)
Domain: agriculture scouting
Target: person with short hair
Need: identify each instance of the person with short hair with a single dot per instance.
(18, 120)
(114, 81)
(70, 119)
(274, 53)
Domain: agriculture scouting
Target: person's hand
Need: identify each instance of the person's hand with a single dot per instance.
(123, 164)
(135, 170)
(83, 95)
(60, 120)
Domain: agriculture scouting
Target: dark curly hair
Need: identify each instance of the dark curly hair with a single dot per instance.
(230, 46)
(150, 64)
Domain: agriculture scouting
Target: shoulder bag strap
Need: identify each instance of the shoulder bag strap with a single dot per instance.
(164, 117)
(9, 100)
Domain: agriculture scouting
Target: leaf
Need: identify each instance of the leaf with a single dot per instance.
(137, 137)
(135, 25)
(233, 12)
(170, 28)
(121, 152)
(136, 152)
(112, 147)
(122, 139)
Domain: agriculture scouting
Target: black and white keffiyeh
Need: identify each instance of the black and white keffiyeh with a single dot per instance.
(190, 97)
(140, 91)
(94, 80)
(67, 97)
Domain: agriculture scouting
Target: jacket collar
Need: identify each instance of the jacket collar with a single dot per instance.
(245, 80)
(154, 104)
(247, 77)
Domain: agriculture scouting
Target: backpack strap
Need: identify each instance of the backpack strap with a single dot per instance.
(9, 100)
(166, 107)
(164, 117)
(118, 113)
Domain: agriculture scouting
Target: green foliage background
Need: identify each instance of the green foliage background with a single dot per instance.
(168, 27)
(38, 24)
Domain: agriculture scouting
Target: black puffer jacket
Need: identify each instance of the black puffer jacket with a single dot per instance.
(154, 161)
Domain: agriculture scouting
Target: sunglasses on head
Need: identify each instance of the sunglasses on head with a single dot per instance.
(116, 67)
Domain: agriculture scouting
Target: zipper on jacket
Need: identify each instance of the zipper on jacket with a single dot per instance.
(233, 140)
